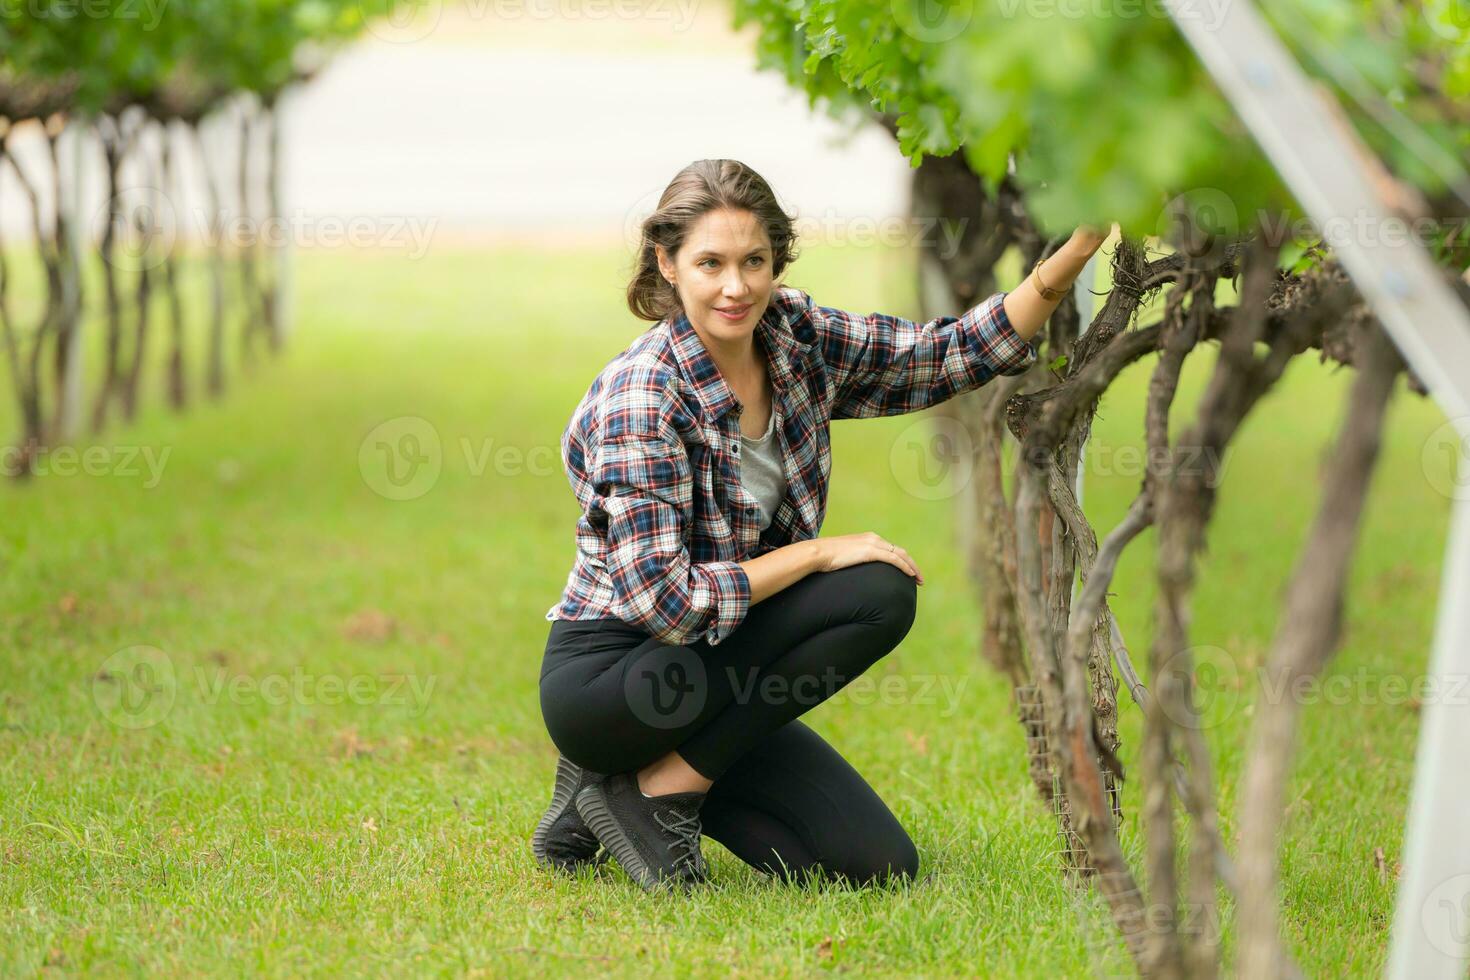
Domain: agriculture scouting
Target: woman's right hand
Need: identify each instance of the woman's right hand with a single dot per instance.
(842, 550)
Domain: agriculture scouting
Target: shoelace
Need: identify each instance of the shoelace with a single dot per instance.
(685, 829)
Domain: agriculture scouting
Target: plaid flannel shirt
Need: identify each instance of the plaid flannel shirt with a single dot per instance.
(652, 450)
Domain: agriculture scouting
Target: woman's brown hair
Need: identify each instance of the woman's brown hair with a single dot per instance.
(702, 187)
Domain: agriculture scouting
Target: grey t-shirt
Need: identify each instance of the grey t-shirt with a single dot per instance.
(760, 470)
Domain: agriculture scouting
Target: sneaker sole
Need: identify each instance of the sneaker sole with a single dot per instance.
(567, 778)
(593, 810)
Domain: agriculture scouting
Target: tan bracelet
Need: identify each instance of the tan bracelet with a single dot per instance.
(1047, 293)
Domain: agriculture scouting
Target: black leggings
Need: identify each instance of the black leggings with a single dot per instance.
(615, 699)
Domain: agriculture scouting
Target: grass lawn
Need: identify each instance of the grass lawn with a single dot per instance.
(346, 755)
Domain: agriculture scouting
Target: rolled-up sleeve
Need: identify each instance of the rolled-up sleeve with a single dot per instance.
(879, 364)
(643, 491)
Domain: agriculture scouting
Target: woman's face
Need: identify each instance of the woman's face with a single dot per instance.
(723, 273)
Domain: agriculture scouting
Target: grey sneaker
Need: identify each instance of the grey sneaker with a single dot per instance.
(655, 839)
(562, 841)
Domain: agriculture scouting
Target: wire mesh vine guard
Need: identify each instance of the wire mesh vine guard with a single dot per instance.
(1071, 851)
